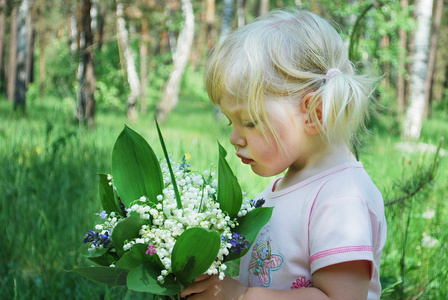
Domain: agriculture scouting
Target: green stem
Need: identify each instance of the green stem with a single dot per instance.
(173, 178)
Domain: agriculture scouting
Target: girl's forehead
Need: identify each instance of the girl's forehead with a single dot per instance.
(232, 107)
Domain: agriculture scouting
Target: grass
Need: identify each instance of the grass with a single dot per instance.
(49, 196)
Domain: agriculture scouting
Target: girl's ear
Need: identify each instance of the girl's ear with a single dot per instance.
(312, 113)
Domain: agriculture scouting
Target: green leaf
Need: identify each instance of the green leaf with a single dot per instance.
(135, 168)
(107, 196)
(127, 229)
(230, 196)
(194, 252)
(137, 256)
(173, 178)
(249, 226)
(144, 279)
(102, 257)
(107, 275)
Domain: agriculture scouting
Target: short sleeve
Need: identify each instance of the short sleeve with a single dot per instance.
(340, 230)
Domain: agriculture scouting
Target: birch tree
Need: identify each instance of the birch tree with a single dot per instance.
(129, 61)
(227, 17)
(240, 13)
(170, 95)
(22, 41)
(264, 7)
(415, 112)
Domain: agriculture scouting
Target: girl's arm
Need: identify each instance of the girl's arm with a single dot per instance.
(349, 280)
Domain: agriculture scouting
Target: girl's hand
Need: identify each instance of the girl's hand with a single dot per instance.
(211, 287)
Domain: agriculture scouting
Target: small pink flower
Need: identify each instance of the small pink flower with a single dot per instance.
(151, 250)
(301, 283)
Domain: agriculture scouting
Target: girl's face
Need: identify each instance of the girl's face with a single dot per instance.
(261, 151)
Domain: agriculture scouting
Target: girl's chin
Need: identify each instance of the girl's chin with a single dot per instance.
(263, 172)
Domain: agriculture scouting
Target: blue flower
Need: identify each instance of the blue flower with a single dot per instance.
(103, 214)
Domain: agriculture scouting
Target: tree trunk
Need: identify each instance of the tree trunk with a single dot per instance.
(210, 19)
(2, 40)
(264, 7)
(128, 56)
(22, 41)
(12, 55)
(401, 82)
(240, 13)
(227, 17)
(42, 41)
(415, 111)
(432, 56)
(86, 70)
(180, 59)
(199, 43)
(411, 50)
(74, 30)
(144, 63)
(385, 44)
(101, 21)
(31, 20)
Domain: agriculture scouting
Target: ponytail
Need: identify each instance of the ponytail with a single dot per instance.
(346, 103)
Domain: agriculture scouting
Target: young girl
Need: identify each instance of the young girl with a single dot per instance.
(295, 103)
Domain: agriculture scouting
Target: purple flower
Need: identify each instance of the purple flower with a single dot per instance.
(98, 239)
(151, 250)
(238, 242)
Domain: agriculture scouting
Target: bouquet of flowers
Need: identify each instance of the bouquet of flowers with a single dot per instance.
(162, 225)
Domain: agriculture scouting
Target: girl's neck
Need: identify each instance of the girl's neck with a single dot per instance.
(319, 161)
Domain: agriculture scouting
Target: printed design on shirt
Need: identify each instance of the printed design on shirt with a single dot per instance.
(301, 282)
(261, 265)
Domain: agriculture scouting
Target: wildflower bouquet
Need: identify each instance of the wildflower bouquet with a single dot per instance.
(163, 224)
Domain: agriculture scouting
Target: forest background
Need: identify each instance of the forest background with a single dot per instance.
(72, 73)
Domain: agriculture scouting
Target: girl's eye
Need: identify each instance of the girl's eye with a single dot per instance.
(250, 124)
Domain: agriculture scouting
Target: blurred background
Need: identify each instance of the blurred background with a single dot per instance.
(73, 73)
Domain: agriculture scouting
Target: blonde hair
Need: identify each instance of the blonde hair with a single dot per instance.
(286, 54)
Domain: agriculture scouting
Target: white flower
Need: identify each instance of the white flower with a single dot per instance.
(428, 241)
(200, 209)
(99, 227)
(127, 246)
(428, 214)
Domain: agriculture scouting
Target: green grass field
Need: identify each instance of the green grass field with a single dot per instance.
(49, 195)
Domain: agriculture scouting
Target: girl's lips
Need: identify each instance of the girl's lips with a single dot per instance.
(245, 160)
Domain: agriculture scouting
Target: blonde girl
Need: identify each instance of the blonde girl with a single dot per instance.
(295, 104)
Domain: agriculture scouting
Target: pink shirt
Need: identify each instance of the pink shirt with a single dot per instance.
(333, 217)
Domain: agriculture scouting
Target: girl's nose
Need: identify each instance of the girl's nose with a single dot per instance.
(236, 139)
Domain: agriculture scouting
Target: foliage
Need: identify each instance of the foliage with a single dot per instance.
(111, 88)
(61, 68)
